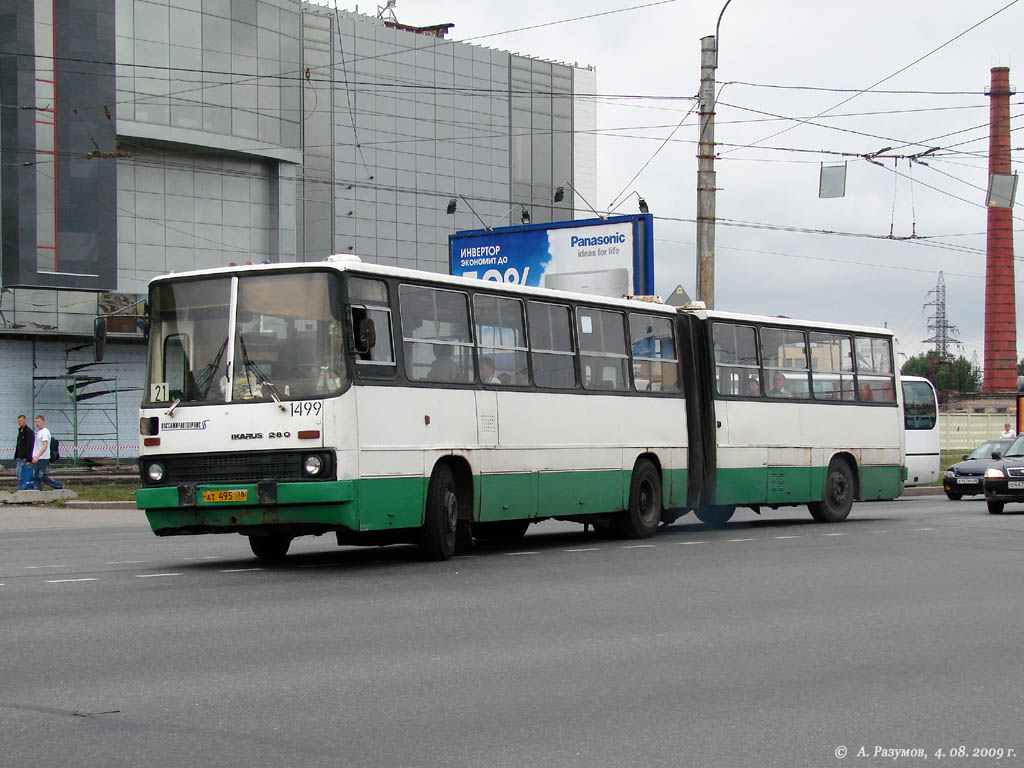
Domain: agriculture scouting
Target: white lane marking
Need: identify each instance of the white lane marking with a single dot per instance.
(693, 542)
(154, 575)
(65, 581)
(206, 557)
(922, 529)
(739, 539)
(239, 570)
(831, 534)
(637, 546)
(513, 554)
(124, 562)
(878, 531)
(33, 567)
(787, 537)
(583, 549)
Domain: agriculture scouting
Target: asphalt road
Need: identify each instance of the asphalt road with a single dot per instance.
(772, 642)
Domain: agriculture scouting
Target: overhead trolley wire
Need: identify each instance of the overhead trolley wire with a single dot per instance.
(894, 74)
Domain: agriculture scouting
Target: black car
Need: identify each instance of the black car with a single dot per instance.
(1004, 479)
(965, 477)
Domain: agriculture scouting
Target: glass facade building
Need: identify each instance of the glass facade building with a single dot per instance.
(156, 136)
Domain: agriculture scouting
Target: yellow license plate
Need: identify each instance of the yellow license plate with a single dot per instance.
(219, 497)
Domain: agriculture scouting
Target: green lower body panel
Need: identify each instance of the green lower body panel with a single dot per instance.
(581, 493)
(745, 485)
(673, 487)
(383, 504)
(206, 509)
(391, 502)
(240, 519)
(798, 485)
(881, 482)
(508, 497)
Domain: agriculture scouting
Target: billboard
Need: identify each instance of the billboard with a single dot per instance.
(607, 257)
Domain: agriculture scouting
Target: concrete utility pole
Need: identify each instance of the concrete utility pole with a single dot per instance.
(706, 172)
(1000, 298)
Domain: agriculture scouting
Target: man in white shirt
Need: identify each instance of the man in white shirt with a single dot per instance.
(1008, 431)
(41, 455)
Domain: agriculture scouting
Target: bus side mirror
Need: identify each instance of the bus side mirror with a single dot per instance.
(99, 337)
(366, 335)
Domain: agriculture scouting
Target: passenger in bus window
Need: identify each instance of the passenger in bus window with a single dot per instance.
(779, 386)
(443, 367)
(522, 378)
(753, 387)
(487, 371)
(866, 394)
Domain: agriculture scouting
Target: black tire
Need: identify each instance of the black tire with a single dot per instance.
(995, 507)
(641, 519)
(270, 547)
(437, 537)
(501, 530)
(954, 496)
(715, 517)
(838, 499)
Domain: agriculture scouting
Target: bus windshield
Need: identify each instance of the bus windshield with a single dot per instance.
(287, 339)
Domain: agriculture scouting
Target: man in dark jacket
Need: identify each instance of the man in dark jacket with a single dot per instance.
(23, 448)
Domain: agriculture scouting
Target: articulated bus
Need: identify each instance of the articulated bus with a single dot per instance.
(385, 405)
(921, 422)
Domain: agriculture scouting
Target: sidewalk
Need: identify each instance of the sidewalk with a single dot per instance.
(40, 518)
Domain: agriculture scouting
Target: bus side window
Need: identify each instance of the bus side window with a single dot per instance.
(832, 366)
(784, 353)
(654, 353)
(737, 373)
(435, 333)
(381, 352)
(602, 349)
(551, 348)
(875, 379)
(501, 340)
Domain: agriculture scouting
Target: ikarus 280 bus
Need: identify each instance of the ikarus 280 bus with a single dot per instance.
(383, 405)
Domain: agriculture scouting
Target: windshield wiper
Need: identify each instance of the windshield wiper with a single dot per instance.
(201, 386)
(261, 377)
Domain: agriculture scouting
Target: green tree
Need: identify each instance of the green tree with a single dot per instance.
(955, 375)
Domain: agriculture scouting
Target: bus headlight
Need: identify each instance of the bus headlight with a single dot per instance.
(156, 472)
(313, 465)
(994, 472)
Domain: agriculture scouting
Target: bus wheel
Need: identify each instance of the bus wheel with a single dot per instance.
(441, 521)
(270, 547)
(641, 519)
(714, 517)
(501, 530)
(995, 507)
(835, 506)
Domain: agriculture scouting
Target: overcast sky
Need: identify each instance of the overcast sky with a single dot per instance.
(655, 51)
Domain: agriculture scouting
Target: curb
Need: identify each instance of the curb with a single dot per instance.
(924, 490)
(100, 505)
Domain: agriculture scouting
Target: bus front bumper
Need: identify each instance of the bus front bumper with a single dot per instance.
(305, 507)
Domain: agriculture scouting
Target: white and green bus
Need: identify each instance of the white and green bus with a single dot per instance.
(385, 405)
